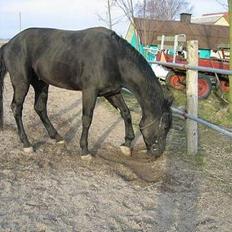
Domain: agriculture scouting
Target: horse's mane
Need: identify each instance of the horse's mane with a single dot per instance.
(139, 60)
(131, 51)
(137, 57)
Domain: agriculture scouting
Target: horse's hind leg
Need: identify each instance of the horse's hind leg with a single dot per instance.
(20, 86)
(118, 102)
(41, 97)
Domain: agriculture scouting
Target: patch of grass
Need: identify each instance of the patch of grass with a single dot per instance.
(199, 160)
(179, 97)
(131, 102)
(107, 104)
(212, 109)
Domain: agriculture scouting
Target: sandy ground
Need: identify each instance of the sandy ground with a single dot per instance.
(54, 190)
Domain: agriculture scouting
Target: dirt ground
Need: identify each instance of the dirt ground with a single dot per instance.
(54, 190)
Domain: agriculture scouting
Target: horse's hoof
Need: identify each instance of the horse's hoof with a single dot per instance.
(28, 149)
(87, 157)
(125, 150)
(60, 142)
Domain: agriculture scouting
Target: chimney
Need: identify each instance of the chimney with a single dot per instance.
(185, 17)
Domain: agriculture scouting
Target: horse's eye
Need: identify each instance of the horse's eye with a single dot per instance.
(166, 125)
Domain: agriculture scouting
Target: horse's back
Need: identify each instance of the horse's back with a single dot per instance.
(61, 57)
(36, 40)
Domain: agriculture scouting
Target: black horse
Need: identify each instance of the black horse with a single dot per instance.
(96, 61)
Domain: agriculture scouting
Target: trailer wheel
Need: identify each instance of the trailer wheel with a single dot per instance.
(175, 80)
(204, 86)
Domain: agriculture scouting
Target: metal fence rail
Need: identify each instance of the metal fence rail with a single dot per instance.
(196, 68)
(202, 121)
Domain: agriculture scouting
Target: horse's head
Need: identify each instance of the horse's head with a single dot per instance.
(155, 130)
(155, 133)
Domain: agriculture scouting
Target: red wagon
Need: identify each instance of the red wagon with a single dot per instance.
(176, 77)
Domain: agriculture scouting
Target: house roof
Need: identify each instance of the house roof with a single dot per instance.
(208, 36)
(211, 18)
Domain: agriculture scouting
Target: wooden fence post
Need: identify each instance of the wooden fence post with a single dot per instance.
(192, 98)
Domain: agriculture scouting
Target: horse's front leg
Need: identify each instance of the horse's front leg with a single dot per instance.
(118, 102)
(88, 103)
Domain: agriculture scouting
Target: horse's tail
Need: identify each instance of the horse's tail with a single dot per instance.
(3, 71)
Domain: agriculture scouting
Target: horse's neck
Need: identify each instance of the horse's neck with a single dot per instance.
(149, 97)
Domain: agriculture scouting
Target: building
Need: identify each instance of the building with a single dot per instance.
(220, 19)
(146, 33)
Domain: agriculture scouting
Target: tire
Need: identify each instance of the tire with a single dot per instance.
(175, 80)
(204, 86)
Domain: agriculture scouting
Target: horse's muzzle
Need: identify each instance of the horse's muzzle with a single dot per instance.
(155, 150)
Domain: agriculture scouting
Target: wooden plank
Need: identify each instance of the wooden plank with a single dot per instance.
(192, 98)
(166, 46)
(172, 38)
(223, 45)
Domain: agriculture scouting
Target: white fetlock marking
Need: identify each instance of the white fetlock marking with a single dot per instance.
(60, 142)
(87, 157)
(125, 150)
(28, 149)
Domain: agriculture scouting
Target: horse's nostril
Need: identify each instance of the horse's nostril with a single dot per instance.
(154, 147)
(154, 150)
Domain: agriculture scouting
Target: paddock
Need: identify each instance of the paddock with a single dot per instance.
(54, 190)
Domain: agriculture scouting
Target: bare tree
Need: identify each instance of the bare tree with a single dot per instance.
(223, 3)
(109, 20)
(109, 4)
(163, 9)
(127, 6)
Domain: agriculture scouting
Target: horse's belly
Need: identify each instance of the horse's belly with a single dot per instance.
(60, 75)
(62, 84)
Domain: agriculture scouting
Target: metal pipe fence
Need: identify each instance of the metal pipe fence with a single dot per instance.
(202, 121)
(196, 68)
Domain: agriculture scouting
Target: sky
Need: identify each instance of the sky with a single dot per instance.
(72, 14)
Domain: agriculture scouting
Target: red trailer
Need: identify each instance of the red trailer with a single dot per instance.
(176, 77)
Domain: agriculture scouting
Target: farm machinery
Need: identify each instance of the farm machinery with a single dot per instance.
(176, 77)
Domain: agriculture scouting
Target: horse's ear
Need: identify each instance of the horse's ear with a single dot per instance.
(168, 96)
